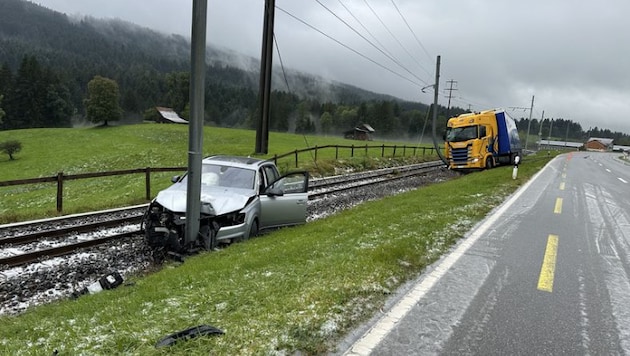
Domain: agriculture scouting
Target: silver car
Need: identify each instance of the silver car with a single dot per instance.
(239, 197)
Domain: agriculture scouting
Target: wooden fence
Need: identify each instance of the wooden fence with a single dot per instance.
(60, 178)
(395, 150)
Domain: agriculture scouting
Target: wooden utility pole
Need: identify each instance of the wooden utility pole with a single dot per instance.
(264, 93)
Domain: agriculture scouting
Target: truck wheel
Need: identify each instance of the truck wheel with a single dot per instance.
(488, 162)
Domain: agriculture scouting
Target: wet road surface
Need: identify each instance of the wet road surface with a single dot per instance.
(546, 274)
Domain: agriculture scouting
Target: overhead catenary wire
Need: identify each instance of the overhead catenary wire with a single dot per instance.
(413, 33)
(284, 74)
(286, 81)
(370, 42)
(351, 49)
(364, 27)
(394, 36)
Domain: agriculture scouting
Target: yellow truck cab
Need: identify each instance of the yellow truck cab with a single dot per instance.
(481, 140)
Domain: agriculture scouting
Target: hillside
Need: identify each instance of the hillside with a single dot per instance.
(82, 48)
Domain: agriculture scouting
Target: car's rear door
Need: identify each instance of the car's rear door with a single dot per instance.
(284, 202)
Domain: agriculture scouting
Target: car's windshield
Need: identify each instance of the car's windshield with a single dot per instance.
(226, 176)
(458, 134)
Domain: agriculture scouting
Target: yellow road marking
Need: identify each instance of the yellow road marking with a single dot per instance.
(562, 186)
(558, 208)
(548, 269)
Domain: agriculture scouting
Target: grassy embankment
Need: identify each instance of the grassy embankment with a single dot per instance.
(45, 152)
(294, 289)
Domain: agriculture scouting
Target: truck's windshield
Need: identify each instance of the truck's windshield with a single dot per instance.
(458, 134)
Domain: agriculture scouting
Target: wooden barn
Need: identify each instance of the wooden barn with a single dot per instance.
(362, 132)
(599, 144)
(168, 116)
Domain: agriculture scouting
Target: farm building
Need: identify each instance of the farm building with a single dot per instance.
(599, 144)
(169, 116)
(362, 132)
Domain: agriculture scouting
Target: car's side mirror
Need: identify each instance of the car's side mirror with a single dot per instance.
(174, 179)
(274, 192)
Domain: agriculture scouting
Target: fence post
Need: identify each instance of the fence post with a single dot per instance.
(352, 151)
(394, 153)
(315, 153)
(366, 150)
(296, 158)
(275, 159)
(59, 192)
(383, 150)
(424, 151)
(336, 152)
(147, 182)
(414, 150)
(404, 150)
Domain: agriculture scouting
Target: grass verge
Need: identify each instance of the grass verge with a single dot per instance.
(293, 290)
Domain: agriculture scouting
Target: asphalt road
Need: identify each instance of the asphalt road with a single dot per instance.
(546, 274)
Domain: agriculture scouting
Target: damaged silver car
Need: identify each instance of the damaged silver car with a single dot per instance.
(240, 196)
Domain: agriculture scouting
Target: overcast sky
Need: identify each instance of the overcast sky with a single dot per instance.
(573, 56)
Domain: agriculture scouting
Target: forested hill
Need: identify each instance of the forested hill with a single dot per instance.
(41, 48)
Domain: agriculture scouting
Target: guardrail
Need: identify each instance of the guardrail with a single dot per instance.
(60, 178)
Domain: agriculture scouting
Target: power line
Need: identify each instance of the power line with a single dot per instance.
(412, 32)
(368, 41)
(284, 74)
(351, 49)
(364, 28)
(393, 36)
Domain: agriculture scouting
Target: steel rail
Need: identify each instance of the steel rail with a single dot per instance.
(62, 232)
(375, 181)
(30, 257)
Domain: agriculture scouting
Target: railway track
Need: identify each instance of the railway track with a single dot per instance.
(20, 244)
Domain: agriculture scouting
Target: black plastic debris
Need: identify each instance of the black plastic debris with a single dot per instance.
(108, 281)
(189, 334)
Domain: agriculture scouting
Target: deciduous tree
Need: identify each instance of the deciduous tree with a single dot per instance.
(103, 100)
(11, 147)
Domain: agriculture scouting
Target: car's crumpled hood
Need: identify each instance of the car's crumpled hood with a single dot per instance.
(223, 200)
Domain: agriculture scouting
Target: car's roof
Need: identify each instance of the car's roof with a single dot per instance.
(236, 161)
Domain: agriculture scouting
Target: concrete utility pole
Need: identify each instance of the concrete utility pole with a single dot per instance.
(450, 95)
(529, 123)
(542, 117)
(195, 126)
(264, 93)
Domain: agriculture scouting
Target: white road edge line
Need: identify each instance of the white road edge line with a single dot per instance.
(366, 344)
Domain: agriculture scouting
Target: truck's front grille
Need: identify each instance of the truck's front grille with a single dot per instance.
(460, 155)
